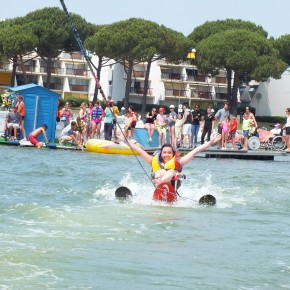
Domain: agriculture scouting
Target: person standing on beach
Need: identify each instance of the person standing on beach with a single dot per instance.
(21, 109)
(108, 121)
(160, 125)
(172, 117)
(96, 115)
(251, 116)
(186, 129)
(220, 116)
(233, 130)
(208, 125)
(34, 134)
(195, 125)
(65, 115)
(246, 130)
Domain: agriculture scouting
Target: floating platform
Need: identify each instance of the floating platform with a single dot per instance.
(67, 146)
(259, 154)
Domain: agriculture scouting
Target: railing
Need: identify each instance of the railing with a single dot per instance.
(54, 70)
(27, 68)
(171, 76)
(208, 95)
(176, 93)
(197, 79)
(79, 88)
(54, 86)
(221, 80)
(77, 56)
(138, 74)
(140, 91)
(76, 72)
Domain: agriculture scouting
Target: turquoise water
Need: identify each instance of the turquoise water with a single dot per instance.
(61, 228)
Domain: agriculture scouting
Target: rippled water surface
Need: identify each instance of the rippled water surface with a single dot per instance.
(61, 228)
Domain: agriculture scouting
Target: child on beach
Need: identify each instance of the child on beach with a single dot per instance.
(81, 129)
(225, 131)
(34, 134)
(178, 129)
(233, 129)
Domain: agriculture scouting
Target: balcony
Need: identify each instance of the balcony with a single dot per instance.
(209, 96)
(54, 86)
(197, 78)
(172, 76)
(69, 56)
(221, 80)
(79, 88)
(176, 93)
(140, 91)
(27, 69)
(77, 72)
(54, 70)
(138, 74)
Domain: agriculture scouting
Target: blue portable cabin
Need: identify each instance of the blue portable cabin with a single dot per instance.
(40, 108)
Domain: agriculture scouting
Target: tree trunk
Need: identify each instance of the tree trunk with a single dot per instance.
(229, 89)
(235, 93)
(146, 84)
(13, 74)
(99, 69)
(48, 73)
(23, 70)
(128, 72)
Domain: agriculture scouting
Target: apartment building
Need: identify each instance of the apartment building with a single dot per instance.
(168, 83)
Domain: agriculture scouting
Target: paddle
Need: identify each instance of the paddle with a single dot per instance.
(123, 192)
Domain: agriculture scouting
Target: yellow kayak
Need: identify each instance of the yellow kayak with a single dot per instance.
(108, 147)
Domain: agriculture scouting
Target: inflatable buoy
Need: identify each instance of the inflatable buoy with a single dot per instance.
(207, 199)
(123, 192)
(108, 147)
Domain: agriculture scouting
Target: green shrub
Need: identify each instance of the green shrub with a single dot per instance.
(271, 120)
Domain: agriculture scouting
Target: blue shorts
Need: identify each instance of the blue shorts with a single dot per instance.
(233, 134)
(246, 133)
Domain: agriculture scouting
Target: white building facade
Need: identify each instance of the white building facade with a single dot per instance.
(273, 96)
(168, 83)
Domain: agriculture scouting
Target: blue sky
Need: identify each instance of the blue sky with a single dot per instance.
(180, 15)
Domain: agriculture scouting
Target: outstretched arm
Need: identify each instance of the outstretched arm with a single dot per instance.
(133, 144)
(185, 159)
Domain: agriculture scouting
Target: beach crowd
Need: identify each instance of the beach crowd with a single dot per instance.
(182, 124)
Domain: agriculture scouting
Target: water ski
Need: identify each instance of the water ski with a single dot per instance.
(207, 199)
(165, 192)
(123, 192)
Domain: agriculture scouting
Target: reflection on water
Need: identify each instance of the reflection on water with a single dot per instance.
(61, 227)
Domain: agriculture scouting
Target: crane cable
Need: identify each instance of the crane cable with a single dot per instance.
(88, 60)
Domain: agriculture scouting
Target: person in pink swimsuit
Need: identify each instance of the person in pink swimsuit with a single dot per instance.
(225, 132)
